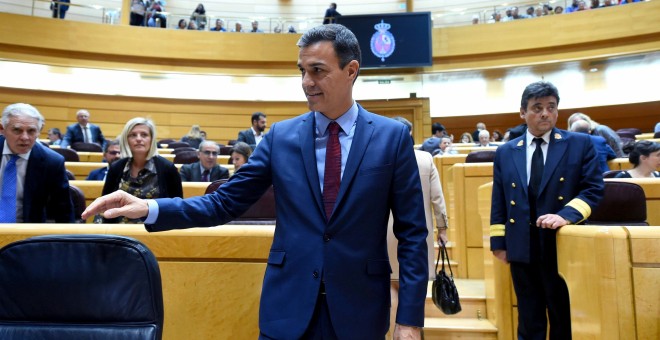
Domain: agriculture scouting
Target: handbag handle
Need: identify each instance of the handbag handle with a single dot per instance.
(443, 251)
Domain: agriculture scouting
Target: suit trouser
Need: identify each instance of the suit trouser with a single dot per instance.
(320, 327)
(538, 286)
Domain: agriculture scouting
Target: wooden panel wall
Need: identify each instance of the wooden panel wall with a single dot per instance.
(173, 117)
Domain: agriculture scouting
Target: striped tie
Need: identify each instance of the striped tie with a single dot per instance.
(8, 198)
(332, 174)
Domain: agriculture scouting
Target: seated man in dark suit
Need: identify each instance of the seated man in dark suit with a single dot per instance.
(603, 150)
(253, 135)
(111, 153)
(207, 168)
(84, 131)
(34, 185)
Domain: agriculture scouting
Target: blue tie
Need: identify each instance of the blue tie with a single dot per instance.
(8, 198)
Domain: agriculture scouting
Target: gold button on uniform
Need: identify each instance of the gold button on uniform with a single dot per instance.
(513, 202)
(561, 179)
(513, 185)
(561, 198)
(512, 220)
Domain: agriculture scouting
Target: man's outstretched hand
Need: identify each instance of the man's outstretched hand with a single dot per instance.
(118, 203)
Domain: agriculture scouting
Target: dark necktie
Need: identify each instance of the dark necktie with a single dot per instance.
(85, 136)
(8, 198)
(535, 176)
(205, 176)
(332, 174)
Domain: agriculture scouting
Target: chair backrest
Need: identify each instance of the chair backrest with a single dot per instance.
(165, 141)
(611, 173)
(481, 156)
(623, 203)
(78, 200)
(174, 145)
(232, 142)
(80, 287)
(656, 135)
(89, 147)
(225, 150)
(186, 157)
(69, 175)
(261, 212)
(69, 155)
(633, 131)
(183, 149)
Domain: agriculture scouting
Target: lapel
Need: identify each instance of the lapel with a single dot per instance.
(363, 131)
(556, 150)
(196, 175)
(520, 161)
(31, 182)
(306, 135)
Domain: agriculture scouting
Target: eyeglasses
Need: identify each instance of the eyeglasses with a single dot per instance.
(114, 152)
(210, 153)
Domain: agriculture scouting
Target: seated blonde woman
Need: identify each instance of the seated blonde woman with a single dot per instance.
(141, 172)
(194, 137)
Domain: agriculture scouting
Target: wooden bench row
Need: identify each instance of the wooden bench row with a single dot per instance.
(86, 156)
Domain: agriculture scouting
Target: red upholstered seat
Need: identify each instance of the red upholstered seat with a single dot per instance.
(174, 145)
(623, 204)
(88, 147)
(261, 212)
(69, 155)
(186, 157)
(482, 156)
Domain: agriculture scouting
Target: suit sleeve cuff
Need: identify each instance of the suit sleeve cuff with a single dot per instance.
(497, 243)
(152, 216)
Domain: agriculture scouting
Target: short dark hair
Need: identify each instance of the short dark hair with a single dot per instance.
(437, 127)
(257, 115)
(344, 42)
(536, 90)
(109, 144)
(57, 132)
(640, 148)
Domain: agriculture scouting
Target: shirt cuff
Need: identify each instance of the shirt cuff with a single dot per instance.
(153, 212)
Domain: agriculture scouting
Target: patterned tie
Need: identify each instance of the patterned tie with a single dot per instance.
(205, 176)
(8, 198)
(535, 176)
(332, 174)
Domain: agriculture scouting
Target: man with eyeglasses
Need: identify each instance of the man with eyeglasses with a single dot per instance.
(207, 168)
(110, 154)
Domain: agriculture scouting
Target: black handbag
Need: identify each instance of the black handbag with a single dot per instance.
(445, 295)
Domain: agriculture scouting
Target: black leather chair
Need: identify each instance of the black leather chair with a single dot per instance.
(174, 145)
(623, 204)
(78, 200)
(482, 156)
(69, 155)
(165, 141)
(69, 175)
(80, 287)
(225, 150)
(88, 147)
(186, 157)
(261, 212)
(232, 142)
(656, 135)
(611, 173)
(183, 149)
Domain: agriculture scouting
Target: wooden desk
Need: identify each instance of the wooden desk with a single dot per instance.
(211, 277)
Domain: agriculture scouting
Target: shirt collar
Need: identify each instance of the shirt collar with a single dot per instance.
(530, 137)
(26, 156)
(345, 121)
(254, 132)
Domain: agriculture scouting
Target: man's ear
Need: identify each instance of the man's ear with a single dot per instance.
(353, 68)
(522, 113)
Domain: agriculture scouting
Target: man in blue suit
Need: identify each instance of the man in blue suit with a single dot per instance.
(255, 134)
(328, 272)
(84, 131)
(542, 180)
(111, 153)
(603, 150)
(39, 191)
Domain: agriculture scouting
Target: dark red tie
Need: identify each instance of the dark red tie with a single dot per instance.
(332, 174)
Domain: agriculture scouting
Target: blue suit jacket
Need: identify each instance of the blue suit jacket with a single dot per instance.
(603, 151)
(74, 134)
(572, 185)
(350, 251)
(46, 187)
(98, 174)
